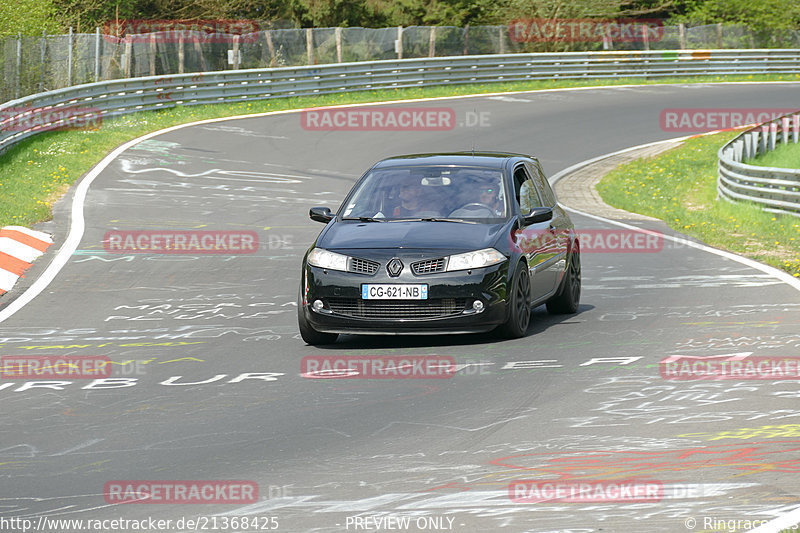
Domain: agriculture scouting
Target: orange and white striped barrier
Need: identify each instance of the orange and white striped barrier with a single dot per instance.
(19, 248)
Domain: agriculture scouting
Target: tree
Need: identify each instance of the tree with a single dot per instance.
(28, 17)
(762, 15)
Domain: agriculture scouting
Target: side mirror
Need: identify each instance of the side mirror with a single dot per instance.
(539, 214)
(320, 214)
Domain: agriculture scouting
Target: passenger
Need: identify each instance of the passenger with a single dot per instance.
(479, 199)
(487, 195)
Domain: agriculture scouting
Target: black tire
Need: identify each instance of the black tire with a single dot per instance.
(519, 313)
(308, 333)
(566, 301)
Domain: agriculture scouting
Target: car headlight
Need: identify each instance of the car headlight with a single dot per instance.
(328, 260)
(476, 259)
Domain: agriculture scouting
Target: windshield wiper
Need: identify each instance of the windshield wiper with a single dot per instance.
(444, 219)
(415, 219)
(365, 219)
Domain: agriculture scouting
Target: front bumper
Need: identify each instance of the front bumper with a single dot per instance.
(448, 309)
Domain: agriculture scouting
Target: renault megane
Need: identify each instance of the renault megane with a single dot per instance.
(431, 243)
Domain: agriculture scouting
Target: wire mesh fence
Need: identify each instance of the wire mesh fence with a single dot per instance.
(34, 64)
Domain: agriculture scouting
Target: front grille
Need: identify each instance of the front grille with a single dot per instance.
(428, 267)
(363, 266)
(397, 309)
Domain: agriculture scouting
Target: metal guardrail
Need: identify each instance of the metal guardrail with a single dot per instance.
(776, 189)
(133, 48)
(28, 116)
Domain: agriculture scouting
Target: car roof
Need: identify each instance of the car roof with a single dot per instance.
(481, 159)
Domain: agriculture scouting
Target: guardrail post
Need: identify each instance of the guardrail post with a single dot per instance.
(757, 142)
(737, 150)
(310, 45)
(432, 42)
(773, 134)
(338, 35)
(747, 150)
(784, 130)
(764, 138)
(796, 128)
(70, 42)
(97, 53)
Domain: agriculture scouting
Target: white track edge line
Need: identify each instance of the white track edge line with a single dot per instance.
(789, 520)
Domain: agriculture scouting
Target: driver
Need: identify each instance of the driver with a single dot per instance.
(413, 201)
(411, 198)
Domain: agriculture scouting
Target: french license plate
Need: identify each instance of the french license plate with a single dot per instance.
(394, 292)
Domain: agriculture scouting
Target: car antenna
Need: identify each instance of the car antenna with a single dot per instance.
(473, 136)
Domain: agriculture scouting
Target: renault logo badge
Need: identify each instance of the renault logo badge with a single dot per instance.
(394, 267)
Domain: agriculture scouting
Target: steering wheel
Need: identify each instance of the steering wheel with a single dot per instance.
(475, 206)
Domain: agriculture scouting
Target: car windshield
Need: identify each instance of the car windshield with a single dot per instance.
(440, 192)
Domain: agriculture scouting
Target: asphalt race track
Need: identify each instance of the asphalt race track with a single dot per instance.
(209, 349)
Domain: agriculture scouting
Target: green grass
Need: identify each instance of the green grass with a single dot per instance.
(37, 171)
(784, 156)
(679, 187)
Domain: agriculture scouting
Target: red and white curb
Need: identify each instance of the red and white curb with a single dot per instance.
(19, 248)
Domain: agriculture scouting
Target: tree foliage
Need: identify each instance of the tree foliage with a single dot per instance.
(31, 16)
(28, 17)
(759, 15)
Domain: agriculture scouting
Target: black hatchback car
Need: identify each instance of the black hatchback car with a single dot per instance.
(440, 243)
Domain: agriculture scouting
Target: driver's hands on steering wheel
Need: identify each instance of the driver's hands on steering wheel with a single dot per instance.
(474, 207)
